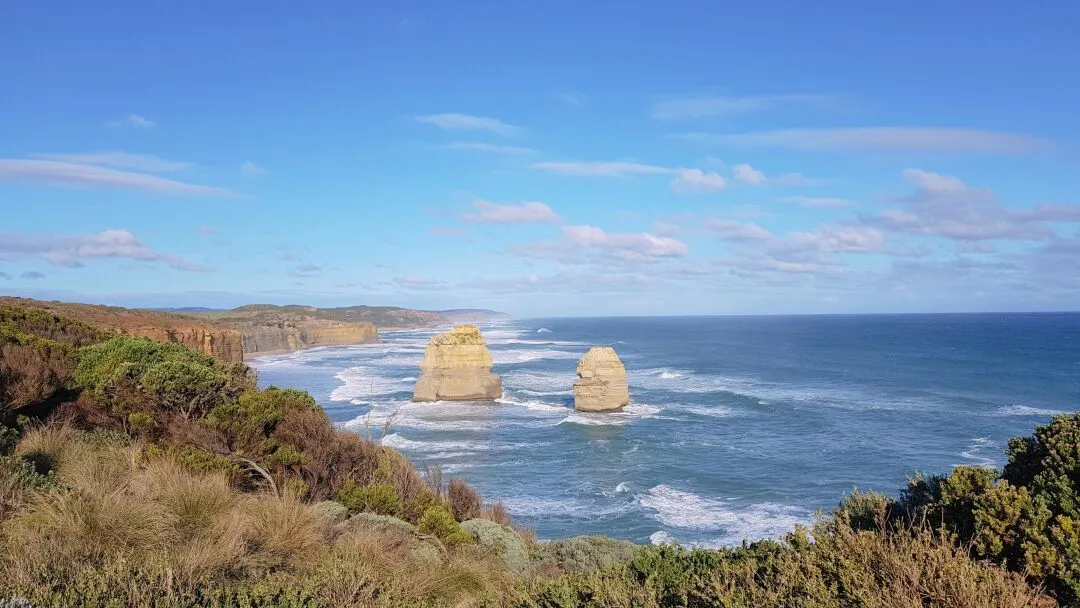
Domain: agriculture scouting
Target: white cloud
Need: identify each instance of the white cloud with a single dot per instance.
(71, 251)
(919, 139)
(90, 176)
(690, 181)
(133, 120)
(468, 122)
(208, 230)
(120, 160)
(820, 201)
(794, 180)
(945, 206)
(488, 212)
(419, 283)
(731, 230)
(748, 175)
(602, 169)
(833, 238)
(491, 148)
(707, 107)
(571, 98)
(250, 168)
(627, 245)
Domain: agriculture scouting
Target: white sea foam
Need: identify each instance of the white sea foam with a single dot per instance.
(540, 384)
(979, 451)
(628, 414)
(514, 356)
(362, 383)
(537, 406)
(681, 509)
(543, 330)
(437, 448)
(1025, 410)
(584, 507)
(623, 486)
(662, 538)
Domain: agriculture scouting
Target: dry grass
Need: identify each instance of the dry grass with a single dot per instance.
(140, 530)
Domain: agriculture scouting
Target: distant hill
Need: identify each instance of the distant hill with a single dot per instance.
(184, 309)
(269, 328)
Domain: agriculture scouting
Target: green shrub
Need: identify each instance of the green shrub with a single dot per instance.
(500, 541)
(175, 378)
(379, 498)
(439, 522)
(585, 553)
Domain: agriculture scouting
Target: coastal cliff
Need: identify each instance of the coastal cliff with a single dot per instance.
(210, 338)
(264, 337)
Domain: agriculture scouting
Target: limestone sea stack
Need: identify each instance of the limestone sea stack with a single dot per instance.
(457, 367)
(602, 387)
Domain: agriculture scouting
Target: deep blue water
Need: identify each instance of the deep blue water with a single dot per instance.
(740, 427)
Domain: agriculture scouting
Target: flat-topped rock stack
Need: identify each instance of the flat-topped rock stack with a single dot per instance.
(602, 386)
(457, 367)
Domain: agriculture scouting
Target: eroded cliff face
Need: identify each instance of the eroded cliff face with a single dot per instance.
(603, 386)
(263, 337)
(457, 367)
(210, 338)
(220, 342)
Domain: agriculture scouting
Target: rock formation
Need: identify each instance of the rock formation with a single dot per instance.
(457, 367)
(602, 387)
(264, 337)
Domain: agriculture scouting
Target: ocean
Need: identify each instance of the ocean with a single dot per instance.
(739, 427)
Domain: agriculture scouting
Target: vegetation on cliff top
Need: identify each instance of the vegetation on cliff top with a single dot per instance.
(137, 473)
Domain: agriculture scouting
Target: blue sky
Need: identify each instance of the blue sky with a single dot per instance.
(555, 158)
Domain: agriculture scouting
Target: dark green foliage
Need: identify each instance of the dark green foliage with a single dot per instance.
(174, 378)
(377, 498)
(439, 522)
(27, 326)
(249, 421)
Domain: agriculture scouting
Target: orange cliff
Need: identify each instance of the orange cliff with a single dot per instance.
(213, 339)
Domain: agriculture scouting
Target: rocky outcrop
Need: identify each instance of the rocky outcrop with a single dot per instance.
(225, 344)
(457, 367)
(210, 338)
(264, 337)
(602, 386)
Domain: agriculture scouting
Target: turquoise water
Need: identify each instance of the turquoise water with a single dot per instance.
(740, 427)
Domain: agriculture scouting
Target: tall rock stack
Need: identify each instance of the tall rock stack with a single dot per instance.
(602, 387)
(457, 367)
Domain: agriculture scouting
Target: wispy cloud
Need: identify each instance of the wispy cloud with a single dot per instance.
(921, 139)
(748, 175)
(731, 230)
(488, 212)
(795, 180)
(626, 243)
(944, 206)
(820, 201)
(32, 275)
(120, 160)
(250, 168)
(491, 148)
(468, 122)
(208, 230)
(72, 251)
(59, 173)
(691, 181)
(712, 106)
(602, 169)
(133, 120)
